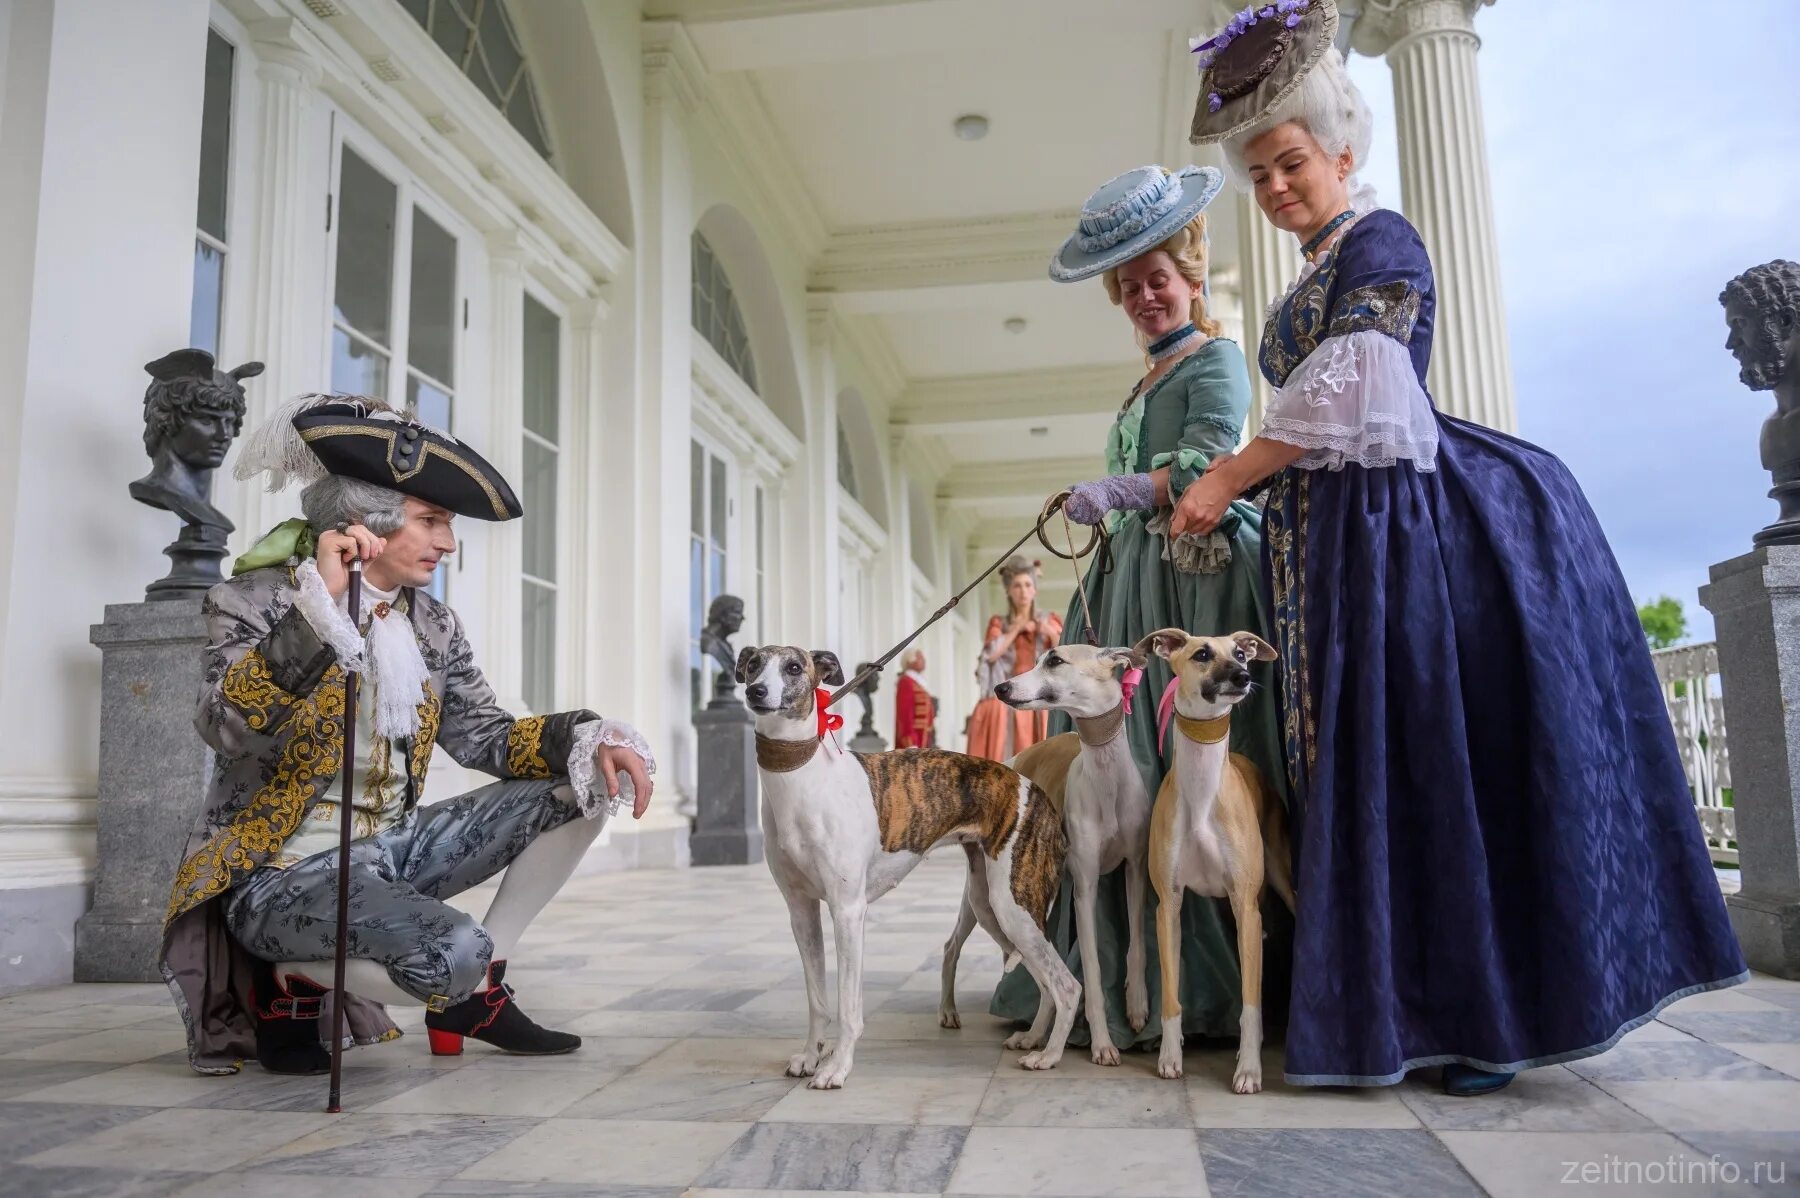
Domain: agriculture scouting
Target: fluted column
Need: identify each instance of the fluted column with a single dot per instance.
(1431, 47)
(288, 239)
(1268, 262)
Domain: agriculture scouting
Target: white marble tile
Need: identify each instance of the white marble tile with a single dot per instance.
(1530, 1164)
(609, 1152)
(1783, 1057)
(150, 1084)
(1548, 1099)
(1213, 1103)
(860, 1157)
(97, 1016)
(496, 1092)
(946, 1101)
(1735, 998)
(301, 1185)
(117, 1045)
(1097, 1162)
(1714, 1106)
(193, 1140)
(1045, 1100)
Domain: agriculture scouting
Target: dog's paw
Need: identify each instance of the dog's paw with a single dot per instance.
(1105, 1054)
(1247, 1079)
(947, 1017)
(1040, 1060)
(1169, 1065)
(803, 1064)
(1022, 1041)
(1137, 1011)
(831, 1075)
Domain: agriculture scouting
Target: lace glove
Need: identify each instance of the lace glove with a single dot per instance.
(584, 777)
(1088, 503)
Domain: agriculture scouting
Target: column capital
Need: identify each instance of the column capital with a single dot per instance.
(673, 69)
(287, 53)
(1384, 26)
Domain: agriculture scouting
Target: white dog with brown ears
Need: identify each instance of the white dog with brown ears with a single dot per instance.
(844, 828)
(1216, 830)
(1090, 776)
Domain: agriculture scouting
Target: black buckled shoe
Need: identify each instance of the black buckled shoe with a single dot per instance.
(287, 1023)
(492, 1017)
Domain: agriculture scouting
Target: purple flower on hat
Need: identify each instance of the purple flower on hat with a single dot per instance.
(1267, 13)
(1293, 20)
(1213, 103)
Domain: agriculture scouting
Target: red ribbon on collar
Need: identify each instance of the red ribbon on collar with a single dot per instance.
(827, 721)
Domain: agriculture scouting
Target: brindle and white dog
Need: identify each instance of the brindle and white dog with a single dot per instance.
(1216, 830)
(1091, 778)
(843, 829)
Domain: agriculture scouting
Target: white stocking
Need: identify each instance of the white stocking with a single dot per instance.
(362, 977)
(535, 876)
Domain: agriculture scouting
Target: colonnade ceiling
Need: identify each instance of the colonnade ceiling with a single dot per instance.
(938, 244)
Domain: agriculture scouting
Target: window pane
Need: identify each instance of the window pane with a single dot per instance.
(427, 404)
(522, 112)
(356, 367)
(450, 31)
(365, 249)
(846, 466)
(540, 647)
(696, 489)
(209, 285)
(540, 511)
(215, 135)
(420, 10)
(718, 503)
(503, 58)
(716, 584)
(543, 337)
(696, 588)
(431, 322)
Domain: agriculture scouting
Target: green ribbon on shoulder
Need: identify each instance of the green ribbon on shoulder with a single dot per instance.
(290, 539)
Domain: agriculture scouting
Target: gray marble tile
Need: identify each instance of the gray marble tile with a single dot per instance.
(176, 1139)
(1550, 1099)
(887, 1158)
(1751, 1027)
(15, 1040)
(1241, 1163)
(1045, 1100)
(547, 1189)
(394, 1146)
(254, 1090)
(685, 1097)
(1676, 1061)
(22, 1077)
(609, 1152)
(674, 999)
(25, 1181)
(1766, 1161)
(307, 1185)
(1782, 994)
(1081, 1161)
(28, 1128)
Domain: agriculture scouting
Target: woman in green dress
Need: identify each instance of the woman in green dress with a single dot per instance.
(1144, 234)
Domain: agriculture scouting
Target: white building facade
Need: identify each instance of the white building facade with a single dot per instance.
(721, 285)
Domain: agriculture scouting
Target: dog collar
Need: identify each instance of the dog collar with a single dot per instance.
(783, 756)
(1205, 732)
(1101, 729)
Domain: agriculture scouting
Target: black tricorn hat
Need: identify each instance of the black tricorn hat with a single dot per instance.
(390, 451)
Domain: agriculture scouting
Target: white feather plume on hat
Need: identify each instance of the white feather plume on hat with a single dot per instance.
(276, 448)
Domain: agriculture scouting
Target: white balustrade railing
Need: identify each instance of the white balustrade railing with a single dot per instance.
(1690, 682)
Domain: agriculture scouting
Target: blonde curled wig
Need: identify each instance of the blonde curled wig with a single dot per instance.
(1187, 247)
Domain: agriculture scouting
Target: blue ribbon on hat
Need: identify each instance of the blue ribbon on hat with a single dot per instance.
(1138, 209)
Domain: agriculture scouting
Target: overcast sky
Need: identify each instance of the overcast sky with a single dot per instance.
(1642, 153)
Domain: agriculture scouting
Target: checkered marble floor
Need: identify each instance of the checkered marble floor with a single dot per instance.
(687, 988)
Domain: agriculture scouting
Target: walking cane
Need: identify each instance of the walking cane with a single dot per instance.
(347, 771)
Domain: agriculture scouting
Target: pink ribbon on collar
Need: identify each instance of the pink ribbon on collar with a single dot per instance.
(1165, 712)
(1128, 684)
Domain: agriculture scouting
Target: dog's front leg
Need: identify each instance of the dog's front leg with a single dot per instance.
(847, 925)
(1137, 992)
(1168, 950)
(809, 935)
(1086, 887)
(1248, 1078)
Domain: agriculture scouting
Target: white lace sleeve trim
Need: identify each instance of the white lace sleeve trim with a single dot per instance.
(329, 620)
(584, 773)
(1355, 399)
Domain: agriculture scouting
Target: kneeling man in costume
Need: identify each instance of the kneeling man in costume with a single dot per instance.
(252, 922)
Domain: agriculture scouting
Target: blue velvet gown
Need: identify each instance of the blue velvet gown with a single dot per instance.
(1498, 860)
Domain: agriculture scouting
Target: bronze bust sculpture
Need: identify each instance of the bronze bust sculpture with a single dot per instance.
(723, 620)
(192, 413)
(1762, 308)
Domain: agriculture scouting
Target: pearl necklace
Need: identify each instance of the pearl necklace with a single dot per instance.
(1170, 344)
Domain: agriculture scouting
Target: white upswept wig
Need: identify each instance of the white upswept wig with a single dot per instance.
(1330, 107)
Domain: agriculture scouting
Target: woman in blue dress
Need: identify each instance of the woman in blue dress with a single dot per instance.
(1498, 862)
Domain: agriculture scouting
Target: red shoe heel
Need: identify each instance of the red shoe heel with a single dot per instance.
(444, 1044)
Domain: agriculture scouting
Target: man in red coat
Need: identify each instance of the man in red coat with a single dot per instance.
(913, 708)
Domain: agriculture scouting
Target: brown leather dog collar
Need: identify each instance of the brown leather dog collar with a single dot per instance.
(1204, 732)
(1101, 729)
(783, 756)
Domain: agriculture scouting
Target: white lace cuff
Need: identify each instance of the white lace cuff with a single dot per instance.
(584, 771)
(1355, 399)
(329, 621)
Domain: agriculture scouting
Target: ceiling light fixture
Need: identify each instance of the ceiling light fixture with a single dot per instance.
(972, 127)
(1015, 324)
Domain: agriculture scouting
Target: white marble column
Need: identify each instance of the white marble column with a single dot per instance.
(820, 518)
(287, 302)
(500, 551)
(1268, 261)
(1431, 47)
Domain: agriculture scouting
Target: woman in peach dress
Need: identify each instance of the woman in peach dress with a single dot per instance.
(1011, 646)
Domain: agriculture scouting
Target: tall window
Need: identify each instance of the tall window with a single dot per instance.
(543, 392)
(210, 237)
(762, 571)
(709, 508)
(478, 36)
(846, 466)
(396, 308)
(716, 315)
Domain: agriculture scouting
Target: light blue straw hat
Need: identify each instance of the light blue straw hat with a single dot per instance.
(1132, 215)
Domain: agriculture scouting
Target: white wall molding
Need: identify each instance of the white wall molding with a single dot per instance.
(47, 831)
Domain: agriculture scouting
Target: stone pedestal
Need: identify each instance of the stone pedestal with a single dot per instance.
(153, 774)
(728, 827)
(1755, 603)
